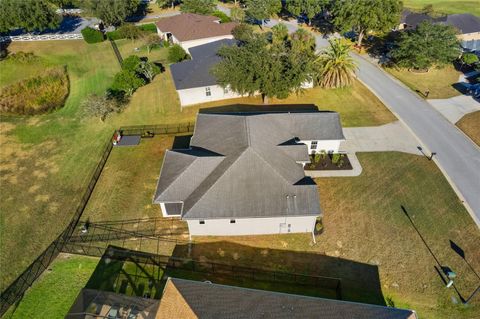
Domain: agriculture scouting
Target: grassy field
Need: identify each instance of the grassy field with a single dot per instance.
(367, 236)
(446, 6)
(470, 125)
(368, 239)
(68, 275)
(46, 160)
(437, 81)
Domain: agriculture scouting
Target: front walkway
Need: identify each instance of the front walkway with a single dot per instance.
(453, 109)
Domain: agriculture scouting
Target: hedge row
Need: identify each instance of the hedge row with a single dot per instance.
(117, 35)
(92, 36)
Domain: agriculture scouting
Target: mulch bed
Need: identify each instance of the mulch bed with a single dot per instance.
(324, 163)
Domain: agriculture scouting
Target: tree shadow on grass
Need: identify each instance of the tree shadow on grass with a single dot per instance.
(360, 282)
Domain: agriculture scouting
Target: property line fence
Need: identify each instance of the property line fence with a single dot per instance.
(116, 51)
(15, 291)
(148, 130)
(42, 37)
(232, 271)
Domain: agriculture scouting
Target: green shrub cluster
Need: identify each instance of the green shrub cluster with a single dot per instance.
(177, 54)
(92, 36)
(150, 27)
(114, 35)
(36, 95)
(222, 16)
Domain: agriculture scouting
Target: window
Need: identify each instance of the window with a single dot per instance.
(202, 222)
(313, 145)
(232, 221)
(208, 92)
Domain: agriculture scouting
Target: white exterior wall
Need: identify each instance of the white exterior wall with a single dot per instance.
(193, 43)
(325, 145)
(198, 95)
(252, 226)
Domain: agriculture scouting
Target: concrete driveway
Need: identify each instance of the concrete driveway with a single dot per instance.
(456, 107)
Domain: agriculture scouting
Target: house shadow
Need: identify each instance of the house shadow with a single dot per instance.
(255, 108)
(360, 282)
(181, 142)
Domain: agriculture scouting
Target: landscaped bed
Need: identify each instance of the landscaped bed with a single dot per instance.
(328, 162)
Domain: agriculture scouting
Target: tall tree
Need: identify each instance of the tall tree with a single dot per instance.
(111, 12)
(127, 81)
(366, 15)
(336, 68)
(30, 15)
(310, 8)
(198, 6)
(429, 44)
(237, 14)
(260, 10)
(272, 68)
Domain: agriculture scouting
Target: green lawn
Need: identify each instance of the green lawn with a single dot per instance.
(446, 6)
(438, 81)
(47, 160)
(365, 228)
(470, 125)
(56, 290)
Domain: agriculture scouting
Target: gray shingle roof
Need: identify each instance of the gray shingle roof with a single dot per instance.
(196, 72)
(193, 299)
(465, 22)
(250, 168)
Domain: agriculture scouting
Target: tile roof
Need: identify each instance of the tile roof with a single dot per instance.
(190, 26)
(193, 299)
(196, 72)
(250, 169)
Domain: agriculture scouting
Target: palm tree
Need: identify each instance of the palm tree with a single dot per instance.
(336, 68)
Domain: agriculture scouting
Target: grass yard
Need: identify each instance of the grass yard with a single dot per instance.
(446, 6)
(370, 242)
(437, 81)
(47, 160)
(56, 290)
(470, 125)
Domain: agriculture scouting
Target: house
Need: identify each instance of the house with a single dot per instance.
(193, 80)
(467, 25)
(190, 30)
(243, 173)
(193, 299)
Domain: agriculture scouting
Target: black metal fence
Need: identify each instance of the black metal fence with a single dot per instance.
(14, 292)
(116, 51)
(232, 271)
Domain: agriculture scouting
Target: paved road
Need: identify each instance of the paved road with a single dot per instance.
(457, 156)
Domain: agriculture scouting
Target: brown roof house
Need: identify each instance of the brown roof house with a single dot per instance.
(192, 299)
(190, 30)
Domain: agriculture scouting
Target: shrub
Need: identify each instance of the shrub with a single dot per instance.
(335, 158)
(222, 16)
(114, 35)
(150, 27)
(132, 63)
(316, 158)
(129, 31)
(3, 54)
(36, 95)
(469, 58)
(92, 36)
(127, 81)
(177, 54)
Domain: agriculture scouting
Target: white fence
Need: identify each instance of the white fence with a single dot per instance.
(42, 37)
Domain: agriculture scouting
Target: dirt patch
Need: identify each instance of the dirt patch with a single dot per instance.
(33, 188)
(42, 198)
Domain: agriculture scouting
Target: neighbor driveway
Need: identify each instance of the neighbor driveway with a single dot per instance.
(456, 107)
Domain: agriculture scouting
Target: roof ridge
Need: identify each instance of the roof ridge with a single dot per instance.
(214, 182)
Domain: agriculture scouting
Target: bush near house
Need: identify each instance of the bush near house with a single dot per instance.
(222, 16)
(150, 27)
(92, 36)
(177, 54)
(39, 94)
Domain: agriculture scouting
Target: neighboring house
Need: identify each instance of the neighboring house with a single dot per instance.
(190, 30)
(193, 79)
(243, 173)
(189, 299)
(467, 25)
